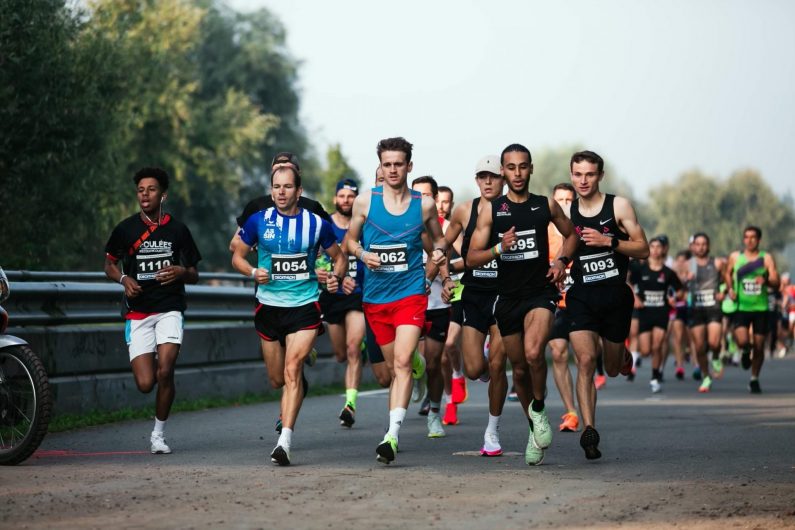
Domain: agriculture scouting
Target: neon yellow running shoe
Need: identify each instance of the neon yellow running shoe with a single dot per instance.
(387, 449)
(417, 365)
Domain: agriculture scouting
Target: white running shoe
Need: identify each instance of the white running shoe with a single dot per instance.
(491, 444)
(542, 431)
(158, 442)
(656, 386)
(418, 392)
(435, 429)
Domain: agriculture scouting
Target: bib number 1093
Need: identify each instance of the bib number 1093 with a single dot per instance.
(598, 267)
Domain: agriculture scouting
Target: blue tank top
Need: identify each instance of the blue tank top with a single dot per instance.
(397, 239)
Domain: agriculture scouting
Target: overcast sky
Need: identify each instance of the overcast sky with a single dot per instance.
(656, 88)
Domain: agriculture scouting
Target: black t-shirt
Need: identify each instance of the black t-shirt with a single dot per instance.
(654, 286)
(266, 201)
(143, 250)
(484, 277)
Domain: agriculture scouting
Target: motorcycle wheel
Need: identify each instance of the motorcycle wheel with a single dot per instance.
(25, 404)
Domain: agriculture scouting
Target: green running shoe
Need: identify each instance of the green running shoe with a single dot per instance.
(311, 359)
(387, 449)
(717, 368)
(533, 455)
(706, 385)
(542, 431)
(417, 365)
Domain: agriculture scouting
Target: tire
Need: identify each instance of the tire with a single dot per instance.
(22, 371)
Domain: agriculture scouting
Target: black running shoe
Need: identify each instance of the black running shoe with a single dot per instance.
(753, 387)
(745, 360)
(280, 456)
(385, 452)
(347, 416)
(425, 406)
(589, 441)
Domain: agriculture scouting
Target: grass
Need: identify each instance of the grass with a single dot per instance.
(68, 422)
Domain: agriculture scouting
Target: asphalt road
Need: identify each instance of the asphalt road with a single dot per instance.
(680, 458)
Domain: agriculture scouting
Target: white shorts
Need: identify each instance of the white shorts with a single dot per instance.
(143, 336)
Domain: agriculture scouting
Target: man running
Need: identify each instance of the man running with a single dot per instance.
(158, 257)
(444, 202)
(600, 301)
(342, 310)
(703, 285)
(749, 274)
(288, 316)
(390, 220)
(513, 228)
(477, 302)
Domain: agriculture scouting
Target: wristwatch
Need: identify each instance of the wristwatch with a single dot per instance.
(614, 243)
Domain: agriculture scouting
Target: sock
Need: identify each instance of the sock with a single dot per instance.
(160, 426)
(396, 417)
(448, 398)
(350, 397)
(435, 405)
(494, 424)
(285, 438)
(537, 405)
(635, 357)
(458, 374)
(754, 378)
(655, 374)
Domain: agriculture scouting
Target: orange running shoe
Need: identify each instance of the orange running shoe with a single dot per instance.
(450, 414)
(600, 381)
(459, 390)
(571, 422)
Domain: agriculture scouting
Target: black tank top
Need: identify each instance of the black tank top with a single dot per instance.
(483, 278)
(522, 268)
(598, 265)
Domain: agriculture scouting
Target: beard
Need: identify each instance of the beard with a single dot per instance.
(343, 212)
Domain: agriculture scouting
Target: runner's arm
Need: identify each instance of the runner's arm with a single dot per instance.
(772, 273)
(113, 272)
(340, 267)
(637, 246)
(727, 276)
(361, 206)
(478, 254)
(570, 241)
(241, 264)
(434, 231)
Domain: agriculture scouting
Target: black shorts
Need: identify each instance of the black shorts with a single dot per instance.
(336, 306)
(437, 321)
(682, 313)
(478, 309)
(457, 312)
(561, 326)
(606, 310)
(653, 317)
(275, 323)
(510, 313)
(701, 316)
(373, 349)
(756, 319)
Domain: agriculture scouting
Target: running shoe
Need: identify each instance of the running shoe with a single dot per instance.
(600, 381)
(717, 368)
(589, 441)
(533, 455)
(459, 390)
(697, 374)
(158, 444)
(571, 422)
(542, 431)
(435, 429)
(417, 365)
(753, 386)
(280, 456)
(656, 386)
(706, 384)
(491, 444)
(425, 406)
(745, 360)
(279, 424)
(631, 374)
(680, 373)
(485, 377)
(512, 396)
(387, 449)
(311, 359)
(419, 390)
(736, 358)
(347, 416)
(450, 414)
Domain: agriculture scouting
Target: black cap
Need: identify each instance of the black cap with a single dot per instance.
(286, 157)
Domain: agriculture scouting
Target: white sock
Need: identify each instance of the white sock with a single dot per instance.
(160, 426)
(396, 417)
(285, 438)
(494, 424)
(635, 356)
(458, 374)
(448, 398)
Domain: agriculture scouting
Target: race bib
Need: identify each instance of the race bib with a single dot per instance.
(598, 267)
(353, 266)
(488, 270)
(751, 288)
(568, 281)
(705, 298)
(525, 247)
(289, 267)
(148, 265)
(394, 258)
(654, 298)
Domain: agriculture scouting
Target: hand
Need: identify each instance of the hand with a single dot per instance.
(131, 287)
(439, 257)
(638, 303)
(322, 275)
(348, 285)
(760, 280)
(261, 276)
(169, 275)
(447, 290)
(672, 301)
(732, 294)
(594, 238)
(508, 239)
(332, 284)
(556, 272)
(719, 296)
(370, 260)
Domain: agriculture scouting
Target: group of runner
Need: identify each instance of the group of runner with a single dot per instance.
(434, 292)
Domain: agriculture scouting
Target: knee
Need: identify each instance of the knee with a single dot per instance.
(534, 354)
(354, 353)
(145, 384)
(165, 375)
(519, 371)
(560, 355)
(276, 380)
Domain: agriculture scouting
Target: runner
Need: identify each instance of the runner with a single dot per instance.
(705, 313)
(158, 257)
(600, 301)
(444, 202)
(748, 275)
(564, 195)
(287, 318)
(342, 310)
(677, 326)
(477, 302)
(514, 228)
(656, 289)
(390, 221)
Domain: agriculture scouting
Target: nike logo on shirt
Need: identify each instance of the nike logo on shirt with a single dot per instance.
(605, 222)
(534, 209)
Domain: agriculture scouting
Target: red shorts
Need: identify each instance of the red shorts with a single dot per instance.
(385, 318)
